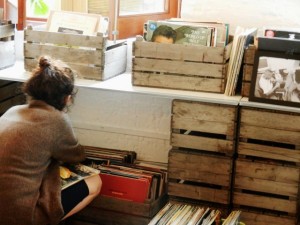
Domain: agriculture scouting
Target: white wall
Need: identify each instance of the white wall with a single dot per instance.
(245, 13)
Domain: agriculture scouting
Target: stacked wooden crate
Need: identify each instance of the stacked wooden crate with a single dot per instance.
(7, 44)
(247, 69)
(10, 95)
(203, 146)
(267, 172)
(113, 211)
(182, 67)
(91, 56)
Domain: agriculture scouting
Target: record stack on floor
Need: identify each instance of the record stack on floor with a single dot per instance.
(132, 191)
(187, 214)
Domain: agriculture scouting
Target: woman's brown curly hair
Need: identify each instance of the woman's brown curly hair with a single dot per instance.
(52, 81)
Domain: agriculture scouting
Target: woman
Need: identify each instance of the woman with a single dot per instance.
(35, 138)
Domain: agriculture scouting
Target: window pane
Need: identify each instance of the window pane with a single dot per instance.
(133, 7)
(40, 8)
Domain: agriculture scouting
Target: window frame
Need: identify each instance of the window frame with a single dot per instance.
(127, 25)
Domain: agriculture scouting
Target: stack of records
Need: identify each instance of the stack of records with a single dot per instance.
(185, 214)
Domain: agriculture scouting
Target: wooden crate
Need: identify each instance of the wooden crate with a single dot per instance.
(199, 176)
(10, 95)
(259, 218)
(247, 69)
(269, 134)
(7, 44)
(204, 126)
(112, 211)
(266, 187)
(90, 56)
(176, 66)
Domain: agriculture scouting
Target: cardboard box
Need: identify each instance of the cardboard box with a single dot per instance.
(178, 66)
(7, 44)
(91, 56)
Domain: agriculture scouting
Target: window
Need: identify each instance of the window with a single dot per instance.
(128, 20)
(135, 7)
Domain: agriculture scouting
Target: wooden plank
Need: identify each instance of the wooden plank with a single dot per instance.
(269, 134)
(204, 111)
(247, 72)
(147, 209)
(83, 71)
(191, 53)
(246, 88)
(199, 193)
(205, 70)
(74, 55)
(269, 152)
(270, 172)
(203, 125)
(17, 100)
(193, 167)
(107, 217)
(198, 175)
(258, 218)
(179, 82)
(7, 30)
(266, 118)
(263, 202)
(7, 54)
(280, 188)
(10, 90)
(65, 39)
(203, 143)
(249, 54)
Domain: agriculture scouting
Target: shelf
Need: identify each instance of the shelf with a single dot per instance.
(122, 83)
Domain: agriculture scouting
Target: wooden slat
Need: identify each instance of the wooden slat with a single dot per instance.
(249, 54)
(269, 134)
(199, 193)
(7, 54)
(283, 205)
(246, 89)
(204, 111)
(78, 56)
(271, 172)
(84, 71)
(262, 219)
(181, 52)
(193, 167)
(147, 209)
(265, 118)
(17, 100)
(269, 152)
(57, 38)
(190, 83)
(247, 72)
(10, 90)
(203, 143)
(203, 125)
(7, 30)
(105, 217)
(270, 179)
(179, 67)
